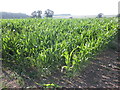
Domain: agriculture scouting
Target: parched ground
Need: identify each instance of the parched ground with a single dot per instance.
(101, 73)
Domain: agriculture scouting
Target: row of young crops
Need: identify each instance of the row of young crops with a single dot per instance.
(48, 45)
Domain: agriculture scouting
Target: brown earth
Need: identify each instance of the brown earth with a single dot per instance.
(101, 73)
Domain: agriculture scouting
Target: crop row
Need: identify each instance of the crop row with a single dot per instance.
(54, 44)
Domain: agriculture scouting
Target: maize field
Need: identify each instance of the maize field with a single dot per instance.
(48, 45)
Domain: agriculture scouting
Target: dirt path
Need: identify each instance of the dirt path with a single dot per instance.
(101, 73)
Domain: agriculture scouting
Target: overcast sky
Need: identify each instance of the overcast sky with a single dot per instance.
(74, 7)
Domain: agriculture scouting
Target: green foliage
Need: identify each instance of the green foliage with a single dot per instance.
(49, 85)
(53, 44)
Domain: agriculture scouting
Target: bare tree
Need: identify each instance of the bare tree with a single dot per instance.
(49, 13)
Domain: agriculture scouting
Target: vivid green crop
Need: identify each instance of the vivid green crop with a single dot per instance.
(54, 44)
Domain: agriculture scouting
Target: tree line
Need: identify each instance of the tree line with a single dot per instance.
(47, 13)
(9, 15)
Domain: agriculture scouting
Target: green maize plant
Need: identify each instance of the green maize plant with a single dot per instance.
(47, 45)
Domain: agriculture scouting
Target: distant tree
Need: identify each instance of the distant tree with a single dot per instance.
(118, 15)
(39, 12)
(34, 14)
(100, 15)
(71, 17)
(49, 13)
